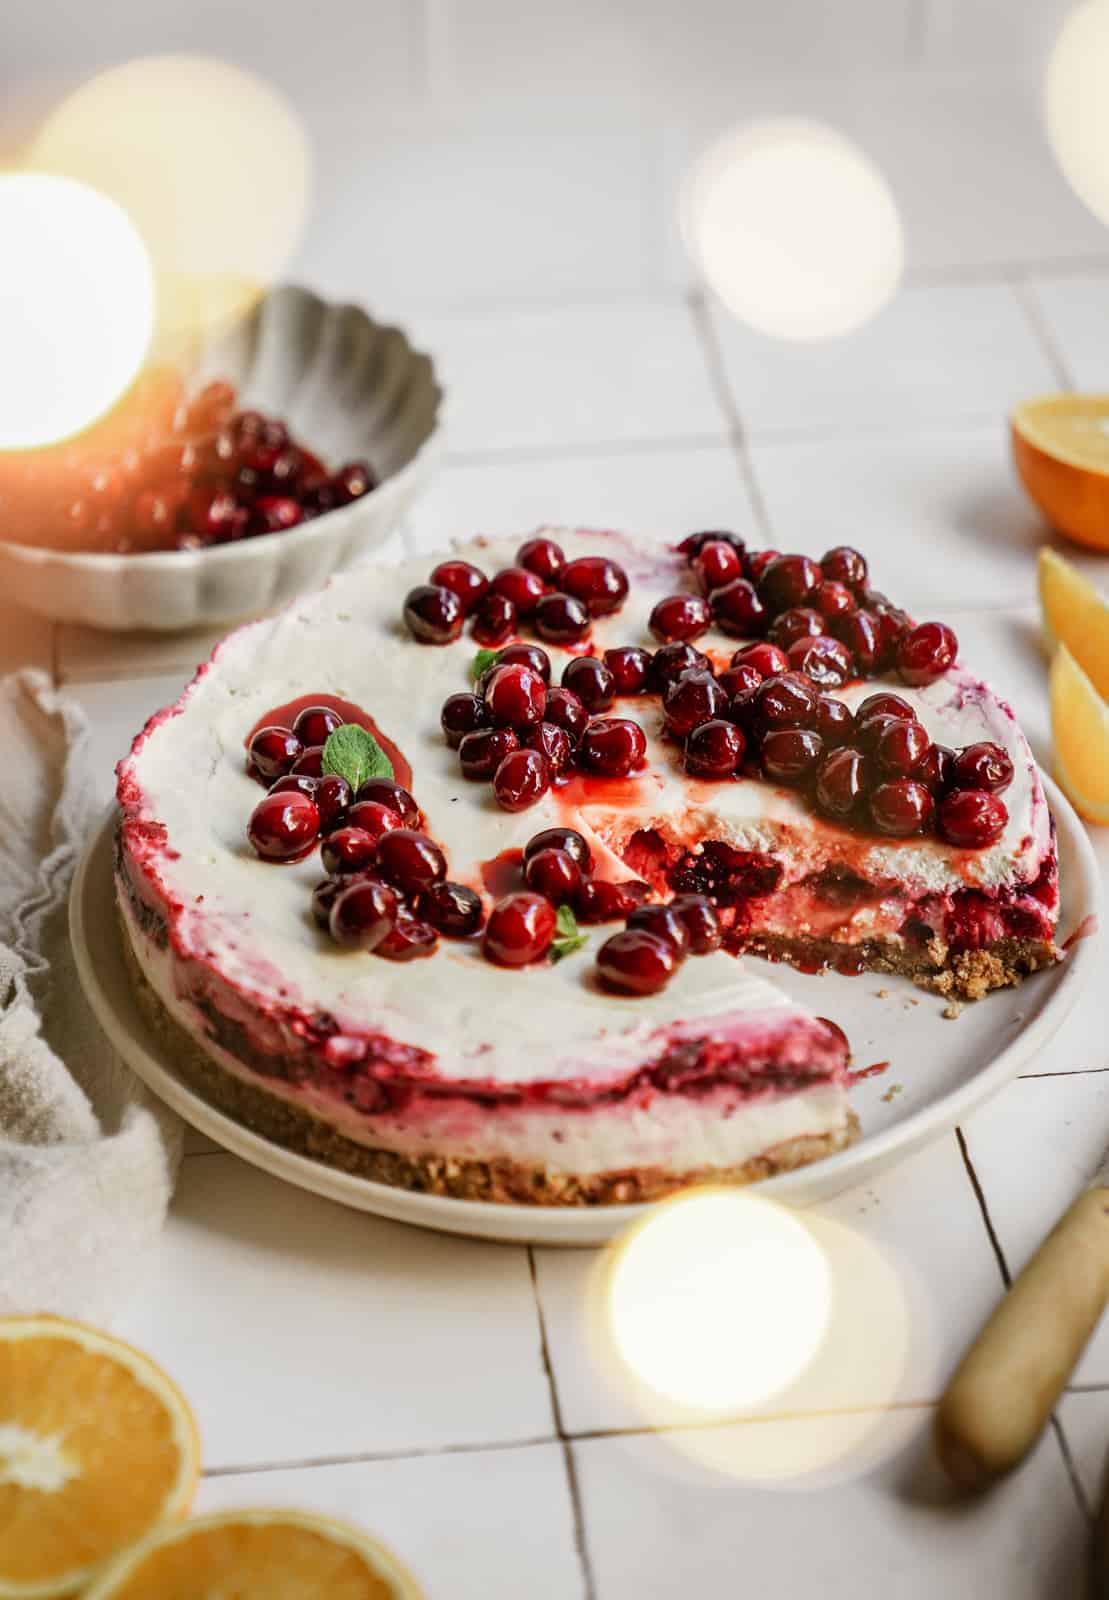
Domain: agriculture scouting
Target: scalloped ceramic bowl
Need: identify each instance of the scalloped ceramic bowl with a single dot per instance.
(350, 387)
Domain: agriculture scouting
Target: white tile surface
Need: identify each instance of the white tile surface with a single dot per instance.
(1085, 1420)
(937, 353)
(1074, 310)
(955, 32)
(479, 1525)
(304, 1330)
(655, 1527)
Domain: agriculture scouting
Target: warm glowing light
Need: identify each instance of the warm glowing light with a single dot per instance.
(1076, 104)
(718, 1300)
(76, 307)
(794, 228)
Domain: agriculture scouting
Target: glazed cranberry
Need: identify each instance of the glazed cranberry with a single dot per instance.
(840, 783)
(410, 939)
(353, 480)
(434, 615)
(525, 655)
(599, 584)
(296, 783)
(788, 582)
(553, 744)
(824, 660)
(925, 653)
(522, 587)
(739, 684)
(393, 795)
(481, 753)
(316, 724)
(636, 962)
(613, 747)
(717, 564)
(680, 617)
(494, 620)
(522, 779)
(561, 619)
(869, 730)
(672, 660)
(982, 766)
(937, 768)
(665, 923)
(284, 827)
(323, 898)
(802, 622)
(591, 681)
(630, 668)
(273, 751)
(363, 913)
(884, 705)
(274, 513)
(738, 609)
(465, 580)
(520, 930)
(566, 839)
(553, 873)
(972, 818)
(701, 922)
(784, 701)
(893, 627)
(695, 698)
(757, 561)
(901, 808)
(833, 721)
(462, 714)
(844, 565)
(791, 755)
(715, 750)
(371, 817)
(310, 763)
(333, 796)
(900, 747)
(515, 696)
(211, 512)
(566, 711)
(601, 901)
(765, 658)
(451, 908)
(543, 557)
(409, 859)
(693, 543)
(861, 632)
(832, 599)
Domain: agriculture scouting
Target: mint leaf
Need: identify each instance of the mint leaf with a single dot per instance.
(483, 659)
(354, 754)
(568, 936)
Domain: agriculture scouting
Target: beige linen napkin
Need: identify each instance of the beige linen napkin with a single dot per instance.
(87, 1156)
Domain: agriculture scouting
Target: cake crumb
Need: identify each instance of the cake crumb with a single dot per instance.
(952, 1010)
(883, 994)
(893, 1090)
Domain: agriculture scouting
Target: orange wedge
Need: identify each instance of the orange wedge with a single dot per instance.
(97, 1445)
(1075, 614)
(257, 1555)
(1080, 726)
(1061, 449)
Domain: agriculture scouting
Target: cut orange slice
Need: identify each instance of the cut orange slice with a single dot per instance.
(1075, 614)
(1080, 726)
(263, 1554)
(1061, 449)
(97, 1444)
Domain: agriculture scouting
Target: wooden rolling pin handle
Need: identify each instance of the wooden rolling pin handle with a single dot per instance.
(1006, 1386)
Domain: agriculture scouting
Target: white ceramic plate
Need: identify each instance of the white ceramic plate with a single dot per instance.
(940, 1069)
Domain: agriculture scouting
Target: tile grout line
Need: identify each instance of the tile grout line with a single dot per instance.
(714, 361)
(1036, 318)
(367, 1457)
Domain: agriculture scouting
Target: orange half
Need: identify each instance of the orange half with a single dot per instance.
(1080, 727)
(1061, 449)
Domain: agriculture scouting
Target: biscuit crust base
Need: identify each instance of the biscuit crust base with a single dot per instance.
(968, 975)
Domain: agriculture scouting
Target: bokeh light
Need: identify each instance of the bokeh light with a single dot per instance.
(794, 228)
(77, 308)
(1076, 104)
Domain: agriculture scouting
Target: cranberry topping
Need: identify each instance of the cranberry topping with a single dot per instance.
(543, 557)
(273, 751)
(900, 747)
(696, 697)
(315, 724)
(520, 930)
(468, 582)
(982, 766)
(936, 768)
(522, 587)
(566, 711)
(901, 808)
(833, 599)
(972, 818)
(561, 619)
(757, 561)
(592, 682)
(566, 839)
(680, 617)
(521, 780)
(717, 563)
(840, 783)
(284, 827)
(353, 481)
(554, 873)
(297, 783)
(784, 701)
(791, 755)
(323, 898)
(373, 818)
(410, 939)
(333, 796)
(767, 659)
(409, 859)
(636, 962)
(801, 622)
(494, 620)
(824, 660)
(844, 565)
(599, 584)
(701, 922)
(434, 615)
(348, 850)
(926, 652)
(788, 581)
(523, 655)
(481, 753)
(715, 750)
(462, 714)
(394, 795)
(515, 696)
(833, 721)
(553, 744)
(738, 609)
(363, 914)
(451, 908)
(310, 763)
(893, 626)
(869, 730)
(664, 922)
(672, 660)
(884, 705)
(693, 543)
(600, 901)
(861, 633)
(613, 747)
(630, 668)
(739, 684)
